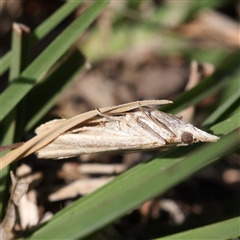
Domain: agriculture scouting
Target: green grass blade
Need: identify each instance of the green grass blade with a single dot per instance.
(182, 11)
(8, 126)
(20, 87)
(20, 37)
(223, 108)
(4, 176)
(228, 69)
(54, 20)
(228, 229)
(132, 188)
(200, 5)
(227, 125)
(37, 105)
(19, 62)
(41, 31)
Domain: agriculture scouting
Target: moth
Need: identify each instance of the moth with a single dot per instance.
(132, 129)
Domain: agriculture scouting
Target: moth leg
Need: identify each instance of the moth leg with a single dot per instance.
(144, 129)
(144, 112)
(110, 117)
(156, 121)
(160, 123)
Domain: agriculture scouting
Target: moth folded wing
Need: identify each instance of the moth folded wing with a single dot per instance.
(61, 147)
(70, 145)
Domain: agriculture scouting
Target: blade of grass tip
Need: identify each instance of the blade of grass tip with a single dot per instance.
(24, 53)
(41, 31)
(34, 72)
(118, 197)
(227, 229)
(19, 47)
(20, 50)
(211, 85)
(20, 36)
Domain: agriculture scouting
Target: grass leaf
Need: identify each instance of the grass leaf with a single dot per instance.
(41, 31)
(228, 69)
(8, 126)
(228, 229)
(39, 67)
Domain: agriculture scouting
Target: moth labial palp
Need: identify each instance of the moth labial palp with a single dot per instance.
(187, 138)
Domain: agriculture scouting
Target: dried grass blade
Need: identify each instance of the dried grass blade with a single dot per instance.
(45, 138)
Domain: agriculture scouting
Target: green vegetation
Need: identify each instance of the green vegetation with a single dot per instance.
(52, 71)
